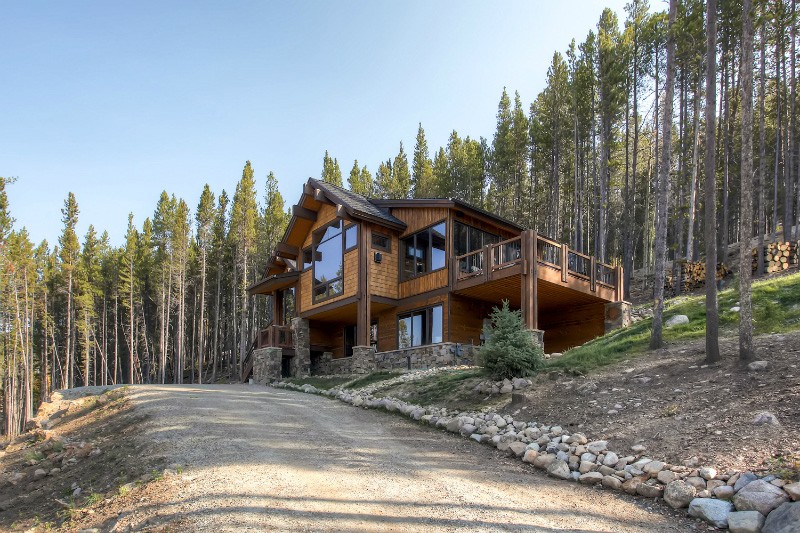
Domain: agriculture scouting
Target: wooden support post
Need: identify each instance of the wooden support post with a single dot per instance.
(487, 261)
(529, 296)
(618, 292)
(277, 307)
(564, 266)
(364, 307)
(593, 274)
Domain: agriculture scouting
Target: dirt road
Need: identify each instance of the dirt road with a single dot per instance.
(276, 460)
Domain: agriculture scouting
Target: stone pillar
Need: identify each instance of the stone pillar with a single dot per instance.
(363, 361)
(537, 335)
(267, 365)
(301, 362)
(618, 315)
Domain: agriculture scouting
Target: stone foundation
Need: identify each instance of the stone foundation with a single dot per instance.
(327, 365)
(267, 365)
(301, 362)
(430, 356)
(363, 360)
(618, 315)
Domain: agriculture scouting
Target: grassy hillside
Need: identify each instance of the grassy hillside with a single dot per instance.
(776, 309)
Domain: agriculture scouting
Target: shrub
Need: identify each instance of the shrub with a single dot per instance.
(510, 350)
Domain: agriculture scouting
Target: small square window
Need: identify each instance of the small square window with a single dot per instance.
(382, 242)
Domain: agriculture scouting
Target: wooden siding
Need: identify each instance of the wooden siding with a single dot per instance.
(417, 218)
(384, 276)
(572, 326)
(424, 283)
(387, 320)
(350, 283)
(466, 319)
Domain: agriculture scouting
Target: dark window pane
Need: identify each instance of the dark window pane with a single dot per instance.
(436, 324)
(421, 252)
(351, 237)
(409, 258)
(349, 340)
(461, 239)
(438, 243)
(382, 242)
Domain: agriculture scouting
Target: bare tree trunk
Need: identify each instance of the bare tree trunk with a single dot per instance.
(746, 227)
(695, 163)
(712, 310)
(723, 249)
(68, 361)
(761, 223)
(662, 195)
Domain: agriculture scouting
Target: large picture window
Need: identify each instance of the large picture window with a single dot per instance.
(424, 251)
(420, 327)
(469, 239)
(328, 262)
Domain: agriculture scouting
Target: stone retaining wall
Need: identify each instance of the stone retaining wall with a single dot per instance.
(267, 365)
(430, 356)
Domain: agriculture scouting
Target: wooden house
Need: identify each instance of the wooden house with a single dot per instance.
(358, 284)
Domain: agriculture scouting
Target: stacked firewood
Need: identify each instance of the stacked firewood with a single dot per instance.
(778, 256)
(693, 276)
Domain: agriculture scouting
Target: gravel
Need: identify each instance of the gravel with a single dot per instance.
(269, 459)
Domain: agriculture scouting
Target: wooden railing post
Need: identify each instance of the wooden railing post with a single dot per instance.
(564, 267)
(488, 261)
(618, 289)
(593, 274)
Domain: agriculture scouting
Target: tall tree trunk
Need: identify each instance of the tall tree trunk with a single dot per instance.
(68, 355)
(662, 195)
(695, 164)
(761, 222)
(726, 90)
(712, 310)
(746, 192)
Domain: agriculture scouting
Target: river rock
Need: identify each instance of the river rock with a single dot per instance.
(745, 522)
(708, 473)
(40, 473)
(715, 512)
(597, 447)
(758, 366)
(543, 460)
(518, 448)
(666, 477)
(612, 482)
(591, 478)
(724, 492)
(653, 467)
(759, 496)
(679, 494)
(529, 456)
(784, 519)
(611, 459)
(650, 491)
(793, 490)
(744, 480)
(696, 482)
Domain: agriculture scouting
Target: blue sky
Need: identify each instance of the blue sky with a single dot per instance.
(117, 101)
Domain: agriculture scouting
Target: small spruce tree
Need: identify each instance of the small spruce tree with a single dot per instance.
(510, 351)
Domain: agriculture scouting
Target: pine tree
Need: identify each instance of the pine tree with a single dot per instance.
(746, 353)
(360, 180)
(401, 175)
(204, 218)
(422, 169)
(510, 351)
(384, 186)
(331, 173)
(69, 251)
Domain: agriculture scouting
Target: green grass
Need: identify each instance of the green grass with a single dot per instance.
(374, 377)
(444, 389)
(776, 309)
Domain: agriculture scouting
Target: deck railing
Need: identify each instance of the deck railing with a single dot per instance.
(274, 336)
(549, 254)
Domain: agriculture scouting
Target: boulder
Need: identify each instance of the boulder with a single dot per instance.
(724, 492)
(758, 366)
(793, 490)
(759, 496)
(715, 512)
(666, 477)
(611, 459)
(591, 478)
(518, 448)
(766, 419)
(654, 467)
(744, 480)
(543, 460)
(559, 469)
(679, 494)
(612, 482)
(650, 491)
(784, 519)
(676, 320)
(696, 482)
(597, 447)
(745, 522)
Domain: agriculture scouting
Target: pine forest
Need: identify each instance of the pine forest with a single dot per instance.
(659, 137)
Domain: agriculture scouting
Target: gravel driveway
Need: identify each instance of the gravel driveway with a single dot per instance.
(276, 460)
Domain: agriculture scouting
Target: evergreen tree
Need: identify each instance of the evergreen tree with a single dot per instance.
(360, 180)
(69, 250)
(422, 169)
(331, 173)
(510, 351)
(204, 218)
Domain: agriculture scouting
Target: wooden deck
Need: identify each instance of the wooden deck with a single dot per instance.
(535, 274)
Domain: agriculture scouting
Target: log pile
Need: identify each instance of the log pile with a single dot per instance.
(778, 256)
(693, 276)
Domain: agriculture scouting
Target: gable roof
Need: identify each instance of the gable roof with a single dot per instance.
(357, 206)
